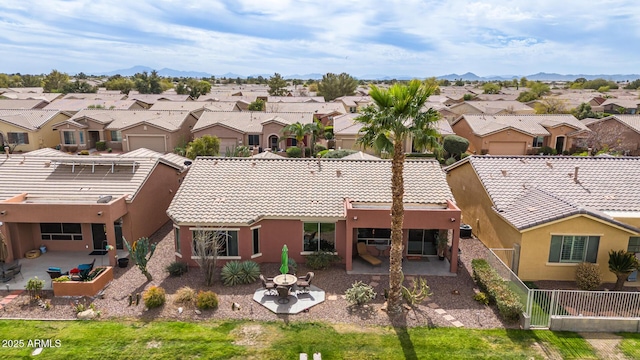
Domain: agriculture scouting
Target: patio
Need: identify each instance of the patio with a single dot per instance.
(65, 260)
(297, 302)
(425, 266)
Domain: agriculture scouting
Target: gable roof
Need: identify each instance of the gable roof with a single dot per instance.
(534, 125)
(494, 107)
(124, 119)
(243, 190)
(48, 175)
(546, 184)
(311, 107)
(22, 104)
(28, 119)
(79, 104)
(248, 121)
(632, 121)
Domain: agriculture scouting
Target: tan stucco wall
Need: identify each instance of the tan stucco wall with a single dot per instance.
(44, 137)
(536, 244)
(562, 130)
(220, 132)
(464, 108)
(462, 128)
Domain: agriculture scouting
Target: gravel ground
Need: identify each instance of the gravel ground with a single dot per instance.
(453, 294)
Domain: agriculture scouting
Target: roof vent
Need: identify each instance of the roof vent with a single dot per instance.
(103, 199)
(575, 174)
(338, 172)
(188, 162)
(549, 164)
(504, 173)
(523, 160)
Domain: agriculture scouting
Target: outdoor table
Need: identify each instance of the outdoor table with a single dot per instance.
(285, 280)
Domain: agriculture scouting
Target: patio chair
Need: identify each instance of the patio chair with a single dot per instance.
(88, 266)
(268, 285)
(54, 274)
(363, 253)
(305, 281)
(283, 294)
(17, 270)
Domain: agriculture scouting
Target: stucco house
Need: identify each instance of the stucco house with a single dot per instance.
(310, 205)
(553, 211)
(616, 132)
(9, 104)
(27, 130)
(81, 203)
(499, 107)
(621, 106)
(249, 128)
(519, 134)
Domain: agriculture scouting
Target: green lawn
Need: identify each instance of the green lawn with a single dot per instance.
(259, 340)
(630, 346)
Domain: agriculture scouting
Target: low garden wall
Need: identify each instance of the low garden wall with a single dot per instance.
(84, 288)
(594, 324)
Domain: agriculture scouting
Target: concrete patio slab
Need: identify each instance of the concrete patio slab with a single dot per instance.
(424, 266)
(296, 302)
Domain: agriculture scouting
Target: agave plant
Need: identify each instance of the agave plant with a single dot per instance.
(250, 271)
(622, 263)
(232, 273)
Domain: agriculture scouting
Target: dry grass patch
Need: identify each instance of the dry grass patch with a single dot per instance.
(352, 328)
(253, 335)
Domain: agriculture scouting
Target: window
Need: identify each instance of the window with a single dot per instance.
(176, 236)
(573, 248)
(18, 138)
(81, 135)
(375, 236)
(256, 241)
(352, 109)
(538, 141)
(58, 231)
(69, 139)
(116, 135)
(292, 142)
(226, 242)
(634, 244)
(254, 140)
(319, 237)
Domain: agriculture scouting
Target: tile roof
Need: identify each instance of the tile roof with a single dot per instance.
(626, 103)
(156, 98)
(295, 99)
(360, 156)
(21, 104)
(48, 97)
(312, 107)
(242, 190)
(30, 119)
(94, 96)
(124, 119)
(267, 155)
(46, 175)
(248, 121)
(533, 125)
(346, 125)
(546, 184)
(494, 107)
(79, 104)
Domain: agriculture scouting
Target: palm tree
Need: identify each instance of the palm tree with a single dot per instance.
(394, 116)
(622, 263)
(298, 131)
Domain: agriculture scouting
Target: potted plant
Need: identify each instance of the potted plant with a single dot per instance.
(442, 240)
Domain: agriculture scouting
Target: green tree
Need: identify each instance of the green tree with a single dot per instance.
(633, 85)
(79, 87)
(455, 145)
(595, 84)
(551, 105)
(31, 80)
(584, 111)
(491, 88)
(277, 85)
(523, 82)
(55, 81)
(333, 86)
(148, 84)
(206, 145)
(117, 82)
(299, 132)
(433, 83)
(193, 88)
(257, 105)
(394, 116)
(622, 263)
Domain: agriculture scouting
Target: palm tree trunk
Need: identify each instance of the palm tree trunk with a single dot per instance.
(397, 218)
(620, 282)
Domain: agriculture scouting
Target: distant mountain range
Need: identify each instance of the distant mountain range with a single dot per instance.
(315, 76)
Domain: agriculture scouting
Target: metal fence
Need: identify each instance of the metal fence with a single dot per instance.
(541, 304)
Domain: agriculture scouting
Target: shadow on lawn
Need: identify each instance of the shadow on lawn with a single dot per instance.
(400, 327)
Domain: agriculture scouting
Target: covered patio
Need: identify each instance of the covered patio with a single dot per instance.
(425, 266)
(65, 260)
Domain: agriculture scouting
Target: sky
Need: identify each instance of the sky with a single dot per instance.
(360, 37)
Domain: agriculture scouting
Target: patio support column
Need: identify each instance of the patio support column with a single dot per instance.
(455, 242)
(111, 240)
(348, 251)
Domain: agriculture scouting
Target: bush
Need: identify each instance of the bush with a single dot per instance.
(588, 276)
(101, 145)
(84, 152)
(360, 293)
(464, 155)
(482, 298)
(231, 273)
(320, 260)
(455, 145)
(34, 287)
(450, 161)
(307, 152)
(207, 300)
(490, 282)
(547, 150)
(322, 153)
(318, 148)
(337, 154)
(294, 152)
(154, 297)
(177, 268)
(185, 295)
(250, 271)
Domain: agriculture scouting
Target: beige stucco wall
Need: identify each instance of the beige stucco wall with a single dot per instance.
(462, 128)
(44, 137)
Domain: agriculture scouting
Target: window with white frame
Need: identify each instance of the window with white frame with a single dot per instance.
(634, 244)
(69, 138)
(116, 135)
(81, 137)
(226, 242)
(573, 248)
(256, 240)
(319, 236)
(176, 236)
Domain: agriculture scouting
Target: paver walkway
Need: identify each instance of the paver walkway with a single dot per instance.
(7, 299)
(605, 345)
(444, 314)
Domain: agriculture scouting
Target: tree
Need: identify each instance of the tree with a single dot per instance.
(141, 252)
(206, 145)
(148, 84)
(551, 105)
(394, 115)
(491, 88)
(277, 85)
(205, 247)
(333, 86)
(79, 87)
(455, 145)
(584, 111)
(193, 88)
(523, 82)
(432, 82)
(119, 83)
(622, 263)
(257, 105)
(55, 81)
(31, 80)
(298, 131)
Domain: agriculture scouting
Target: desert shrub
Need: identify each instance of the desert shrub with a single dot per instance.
(320, 260)
(231, 273)
(450, 161)
(417, 293)
(294, 152)
(455, 145)
(588, 276)
(250, 271)
(34, 287)
(154, 297)
(360, 293)
(547, 150)
(337, 154)
(320, 154)
(318, 148)
(482, 298)
(101, 145)
(184, 295)
(491, 282)
(177, 268)
(84, 152)
(207, 300)
(307, 152)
